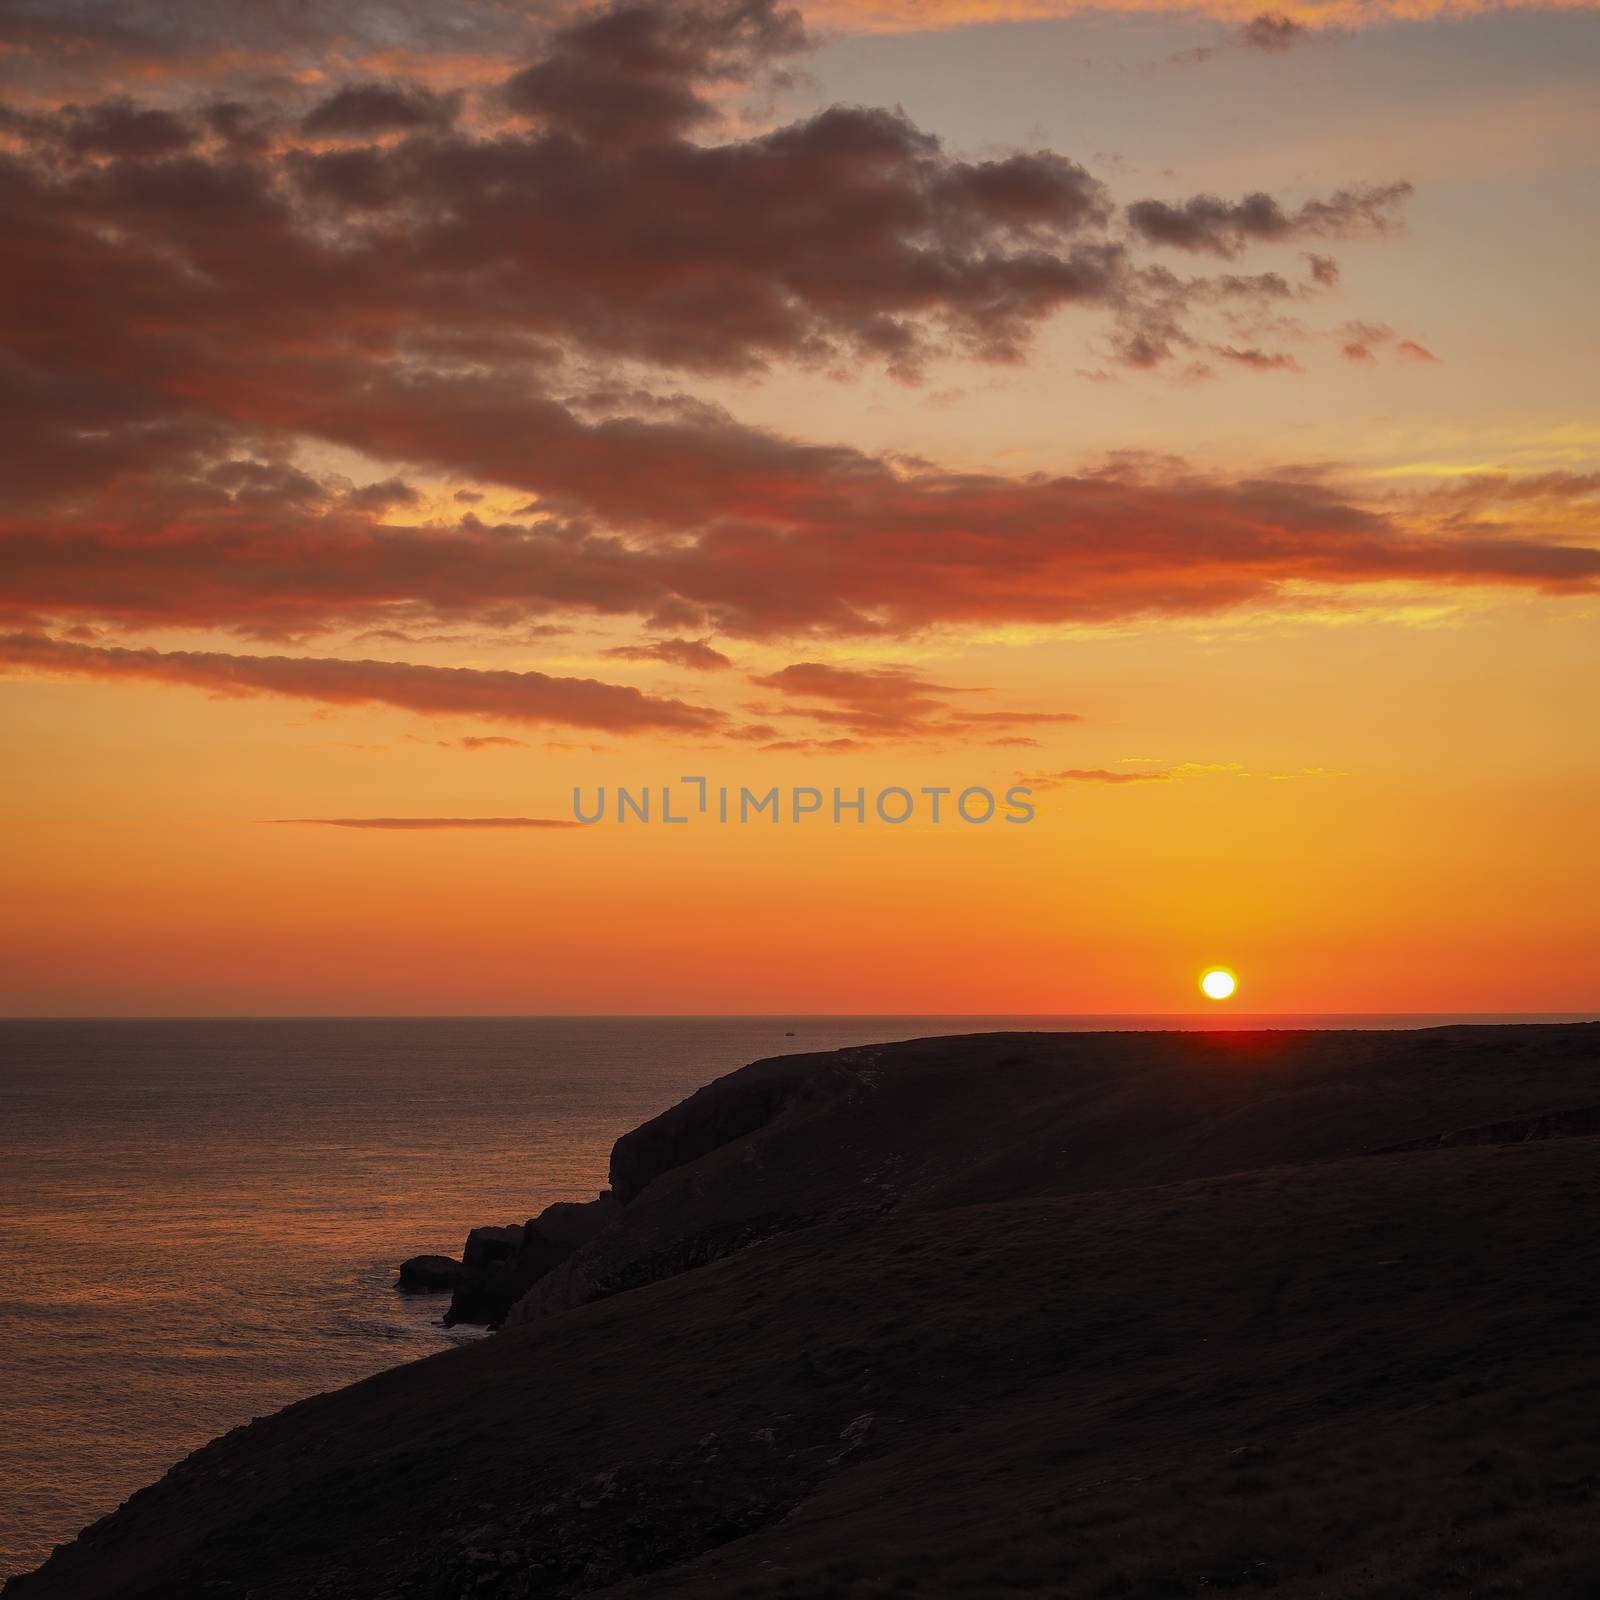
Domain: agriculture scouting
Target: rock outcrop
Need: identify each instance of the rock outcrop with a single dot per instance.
(486, 1275)
(500, 1264)
(430, 1274)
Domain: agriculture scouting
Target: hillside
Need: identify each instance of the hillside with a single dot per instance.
(1127, 1314)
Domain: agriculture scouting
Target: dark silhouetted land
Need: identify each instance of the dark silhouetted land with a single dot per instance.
(1145, 1315)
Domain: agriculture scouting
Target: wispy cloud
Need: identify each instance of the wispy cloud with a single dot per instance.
(483, 741)
(1182, 771)
(403, 824)
(695, 654)
(888, 702)
(532, 697)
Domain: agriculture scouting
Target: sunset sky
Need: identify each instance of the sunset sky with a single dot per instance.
(413, 411)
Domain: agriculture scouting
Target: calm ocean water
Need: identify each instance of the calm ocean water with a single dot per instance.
(200, 1220)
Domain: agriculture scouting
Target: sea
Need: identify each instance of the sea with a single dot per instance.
(200, 1220)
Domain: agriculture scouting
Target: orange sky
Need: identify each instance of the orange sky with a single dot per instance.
(1201, 434)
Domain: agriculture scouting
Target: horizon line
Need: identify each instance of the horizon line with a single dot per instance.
(1592, 1015)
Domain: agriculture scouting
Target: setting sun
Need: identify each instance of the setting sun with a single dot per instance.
(1218, 984)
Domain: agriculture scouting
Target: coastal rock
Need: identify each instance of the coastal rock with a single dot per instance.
(430, 1274)
(488, 1246)
(712, 1176)
(501, 1264)
(484, 1289)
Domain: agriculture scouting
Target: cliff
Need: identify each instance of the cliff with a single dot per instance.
(1069, 1314)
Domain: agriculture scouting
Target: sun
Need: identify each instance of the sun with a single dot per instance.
(1218, 983)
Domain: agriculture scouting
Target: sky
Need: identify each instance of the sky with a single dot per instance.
(419, 416)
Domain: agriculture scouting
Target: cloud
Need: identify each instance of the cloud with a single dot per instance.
(1257, 359)
(404, 824)
(1056, 780)
(889, 702)
(506, 245)
(202, 298)
(1205, 224)
(1498, 505)
(1363, 341)
(229, 46)
(1272, 31)
(856, 686)
(838, 746)
(1324, 270)
(1267, 31)
(759, 538)
(633, 73)
(1175, 774)
(695, 654)
(363, 110)
(532, 697)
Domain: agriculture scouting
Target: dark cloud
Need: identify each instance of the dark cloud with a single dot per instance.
(1324, 270)
(1271, 32)
(532, 697)
(635, 72)
(1268, 31)
(696, 654)
(364, 110)
(853, 233)
(1256, 359)
(1208, 225)
(388, 495)
(122, 129)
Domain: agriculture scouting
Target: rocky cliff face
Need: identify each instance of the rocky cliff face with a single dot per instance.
(501, 1267)
(499, 1264)
(1067, 1315)
(850, 1135)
